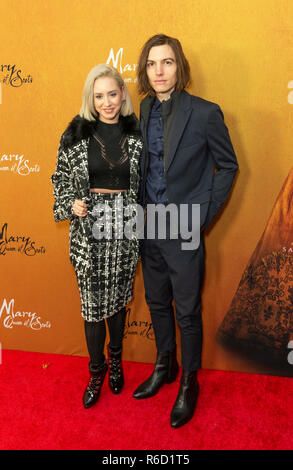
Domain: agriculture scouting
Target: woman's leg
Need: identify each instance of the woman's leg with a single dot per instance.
(116, 325)
(95, 333)
(116, 328)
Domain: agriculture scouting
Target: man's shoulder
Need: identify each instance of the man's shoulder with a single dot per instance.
(186, 99)
(197, 101)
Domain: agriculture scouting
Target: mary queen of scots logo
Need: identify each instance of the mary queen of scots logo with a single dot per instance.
(21, 244)
(10, 317)
(12, 76)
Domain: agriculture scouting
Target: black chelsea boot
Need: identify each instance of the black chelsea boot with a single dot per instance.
(184, 406)
(165, 371)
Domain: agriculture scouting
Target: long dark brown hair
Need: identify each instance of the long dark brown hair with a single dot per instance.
(183, 69)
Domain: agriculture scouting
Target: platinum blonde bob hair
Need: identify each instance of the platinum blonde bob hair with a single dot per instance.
(87, 109)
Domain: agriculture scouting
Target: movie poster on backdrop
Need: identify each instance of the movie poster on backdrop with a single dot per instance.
(259, 322)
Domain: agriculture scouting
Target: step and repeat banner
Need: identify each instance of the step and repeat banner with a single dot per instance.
(240, 53)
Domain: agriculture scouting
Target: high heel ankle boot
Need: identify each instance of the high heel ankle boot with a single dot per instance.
(165, 371)
(116, 378)
(93, 389)
(184, 406)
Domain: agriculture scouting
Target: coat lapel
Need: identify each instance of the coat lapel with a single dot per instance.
(145, 109)
(80, 168)
(182, 116)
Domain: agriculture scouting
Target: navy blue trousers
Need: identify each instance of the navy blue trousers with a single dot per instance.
(171, 273)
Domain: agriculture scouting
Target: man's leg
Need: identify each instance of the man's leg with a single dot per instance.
(158, 293)
(186, 270)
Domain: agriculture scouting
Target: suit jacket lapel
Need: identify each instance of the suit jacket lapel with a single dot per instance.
(80, 168)
(145, 109)
(182, 116)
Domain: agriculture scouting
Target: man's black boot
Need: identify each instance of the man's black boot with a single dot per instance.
(184, 406)
(93, 389)
(165, 371)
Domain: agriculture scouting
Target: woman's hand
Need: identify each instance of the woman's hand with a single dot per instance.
(79, 208)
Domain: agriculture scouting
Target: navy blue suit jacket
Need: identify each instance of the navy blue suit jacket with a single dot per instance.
(201, 163)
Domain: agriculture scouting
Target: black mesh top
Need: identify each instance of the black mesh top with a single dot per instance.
(108, 159)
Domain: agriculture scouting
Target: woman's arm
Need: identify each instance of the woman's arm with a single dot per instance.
(64, 191)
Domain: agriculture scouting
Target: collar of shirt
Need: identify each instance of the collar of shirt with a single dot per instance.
(163, 107)
(157, 106)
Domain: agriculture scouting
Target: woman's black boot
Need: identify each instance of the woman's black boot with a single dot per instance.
(116, 379)
(184, 406)
(165, 371)
(92, 391)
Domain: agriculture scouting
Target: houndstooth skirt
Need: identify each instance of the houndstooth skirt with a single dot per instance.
(114, 258)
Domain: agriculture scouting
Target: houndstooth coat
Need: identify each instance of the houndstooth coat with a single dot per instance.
(71, 182)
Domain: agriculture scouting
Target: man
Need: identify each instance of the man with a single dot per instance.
(188, 159)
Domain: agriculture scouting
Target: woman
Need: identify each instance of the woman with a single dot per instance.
(97, 167)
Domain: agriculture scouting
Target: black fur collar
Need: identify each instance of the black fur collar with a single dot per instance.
(80, 128)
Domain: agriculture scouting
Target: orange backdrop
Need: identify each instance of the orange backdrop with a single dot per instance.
(239, 53)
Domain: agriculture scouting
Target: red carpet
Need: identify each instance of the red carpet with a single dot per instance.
(41, 408)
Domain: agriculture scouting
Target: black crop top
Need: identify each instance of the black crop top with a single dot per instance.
(108, 160)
